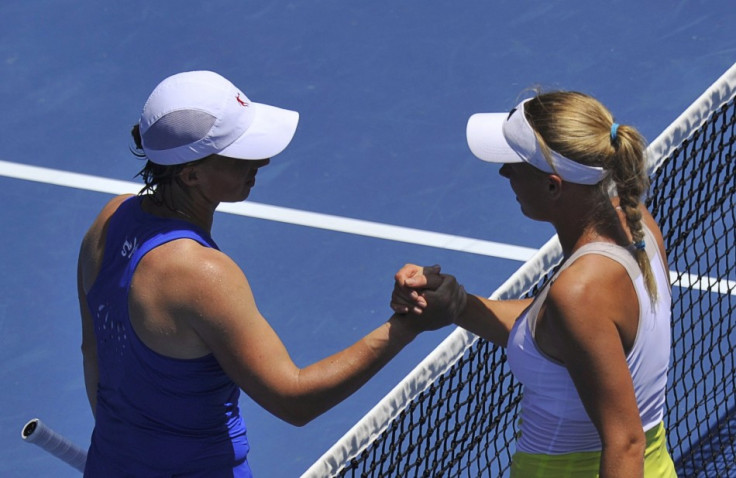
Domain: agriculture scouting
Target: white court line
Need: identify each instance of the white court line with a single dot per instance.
(282, 214)
(332, 223)
(718, 286)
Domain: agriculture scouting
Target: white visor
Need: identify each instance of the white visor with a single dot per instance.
(509, 138)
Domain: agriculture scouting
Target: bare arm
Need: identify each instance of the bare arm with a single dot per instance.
(491, 319)
(583, 328)
(214, 297)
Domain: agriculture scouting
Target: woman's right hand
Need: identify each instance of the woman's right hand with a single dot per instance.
(410, 281)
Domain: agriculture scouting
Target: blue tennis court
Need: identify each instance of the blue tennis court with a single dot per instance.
(378, 174)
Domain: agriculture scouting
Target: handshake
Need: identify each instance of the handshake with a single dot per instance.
(425, 292)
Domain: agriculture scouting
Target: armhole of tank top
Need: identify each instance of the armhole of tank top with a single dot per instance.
(539, 300)
(616, 253)
(627, 260)
(148, 246)
(531, 323)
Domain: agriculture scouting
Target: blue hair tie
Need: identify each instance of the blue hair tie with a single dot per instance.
(639, 245)
(614, 131)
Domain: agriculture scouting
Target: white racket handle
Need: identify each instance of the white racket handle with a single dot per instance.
(36, 432)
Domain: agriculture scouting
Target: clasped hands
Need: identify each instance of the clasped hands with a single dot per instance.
(425, 292)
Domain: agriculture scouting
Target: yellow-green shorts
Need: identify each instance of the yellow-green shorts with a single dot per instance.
(657, 461)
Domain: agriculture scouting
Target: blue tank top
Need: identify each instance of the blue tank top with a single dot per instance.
(155, 415)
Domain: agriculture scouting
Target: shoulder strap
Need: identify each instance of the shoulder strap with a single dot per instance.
(158, 240)
(612, 251)
(617, 253)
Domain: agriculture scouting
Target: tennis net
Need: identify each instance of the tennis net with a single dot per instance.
(455, 414)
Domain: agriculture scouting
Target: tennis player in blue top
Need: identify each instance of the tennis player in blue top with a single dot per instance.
(171, 330)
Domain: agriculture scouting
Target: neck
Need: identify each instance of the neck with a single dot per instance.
(586, 221)
(572, 240)
(174, 202)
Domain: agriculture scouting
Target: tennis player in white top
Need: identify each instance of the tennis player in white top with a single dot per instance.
(592, 349)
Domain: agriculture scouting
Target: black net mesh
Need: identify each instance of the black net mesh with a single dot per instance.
(693, 199)
(465, 422)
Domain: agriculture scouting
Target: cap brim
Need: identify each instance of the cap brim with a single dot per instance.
(269, 134)
(486, 141)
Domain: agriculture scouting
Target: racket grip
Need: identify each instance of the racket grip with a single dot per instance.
(36, 432)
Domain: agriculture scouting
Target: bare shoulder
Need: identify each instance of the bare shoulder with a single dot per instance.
(183, 294)
(201, 278)
(93, 243)
(589, 274)
(188, 262)
(593, 298)
(96, 231)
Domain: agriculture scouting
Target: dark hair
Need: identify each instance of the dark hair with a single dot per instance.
(578, 126)
(155, 176)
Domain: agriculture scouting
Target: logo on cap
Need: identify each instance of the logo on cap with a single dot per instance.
(241, 101)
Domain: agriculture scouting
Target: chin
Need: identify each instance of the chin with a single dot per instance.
(243, 196)
(233, 199)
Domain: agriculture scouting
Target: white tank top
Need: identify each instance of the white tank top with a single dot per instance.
(553, 419)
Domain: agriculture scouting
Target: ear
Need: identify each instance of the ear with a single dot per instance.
(554, 186)
(188, 175)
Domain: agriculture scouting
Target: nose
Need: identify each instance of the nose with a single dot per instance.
(260, 163)
(253, 165)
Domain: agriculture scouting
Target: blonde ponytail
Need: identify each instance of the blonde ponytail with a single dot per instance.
(580, 128)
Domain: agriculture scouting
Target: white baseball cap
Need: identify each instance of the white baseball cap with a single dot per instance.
(509, 138)
(195, 114)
